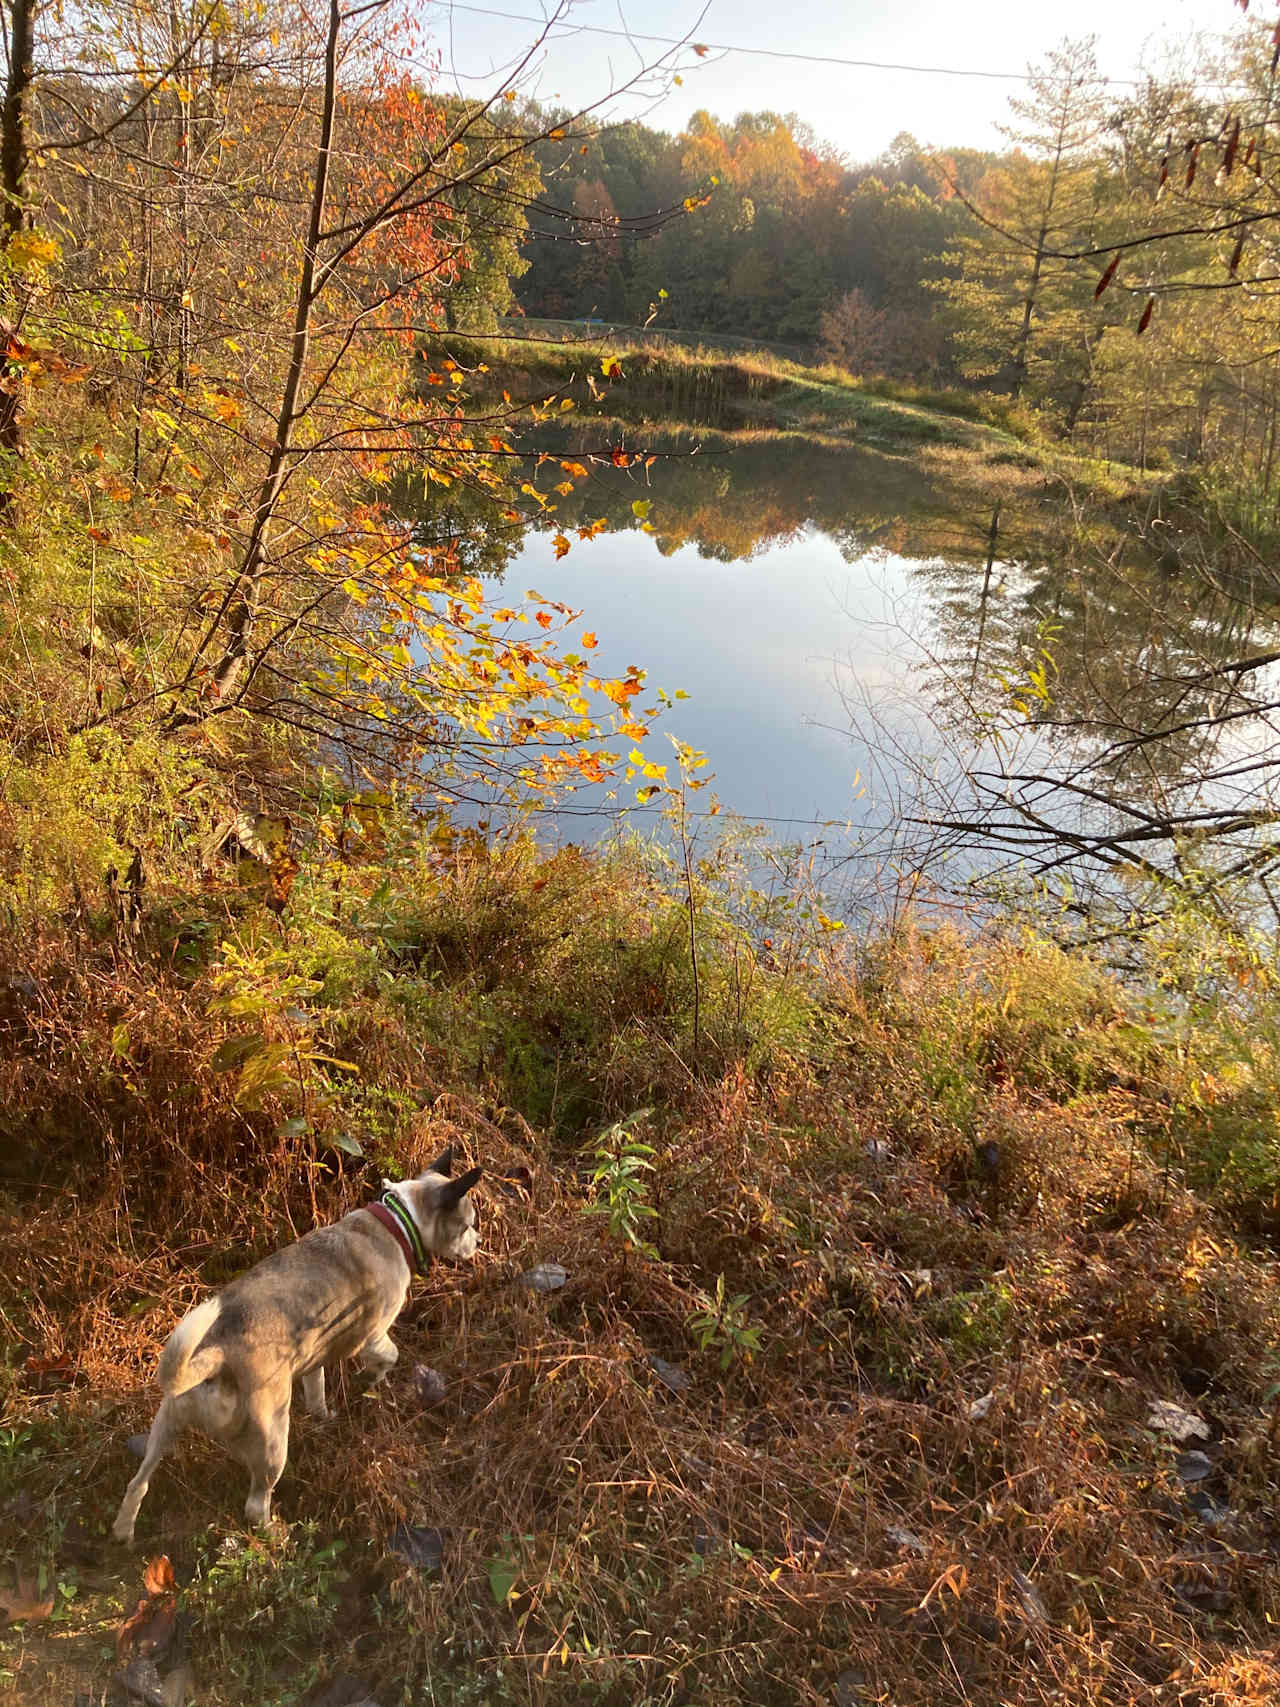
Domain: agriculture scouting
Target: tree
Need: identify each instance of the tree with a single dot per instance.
(258, 233)
(1021, 315)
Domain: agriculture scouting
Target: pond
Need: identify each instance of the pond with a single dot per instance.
(858, 632)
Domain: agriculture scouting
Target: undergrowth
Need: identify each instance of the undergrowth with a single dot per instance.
(871, 1279)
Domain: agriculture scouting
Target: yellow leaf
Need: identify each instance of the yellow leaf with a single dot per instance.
(562, 549)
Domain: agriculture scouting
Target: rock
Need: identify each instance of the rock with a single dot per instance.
(340, 1691)
(177, 1686)
(981, 1408)
(429, 1385)
(140, 1681)
(902, 1537)
(417, 1546)
(546, 1277)
(1212, 1513)
(137, 1444)
(669, 1374)
(849, 1689)
(1203, 1597)
(1164, 1417)
(1194, 1466)
(1034, 1607)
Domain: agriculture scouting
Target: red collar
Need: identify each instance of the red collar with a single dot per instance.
(381, 1213)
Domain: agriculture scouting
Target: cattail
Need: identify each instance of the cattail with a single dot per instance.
(1107, 276)
(1144, 319)
(1233, 142)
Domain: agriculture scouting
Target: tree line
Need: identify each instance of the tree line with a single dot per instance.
(966, 267)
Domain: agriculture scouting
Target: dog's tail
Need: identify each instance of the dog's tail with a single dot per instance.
(184, 1362)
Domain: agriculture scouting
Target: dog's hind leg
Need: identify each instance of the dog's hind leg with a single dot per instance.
(379, 1355)
(264, 1448)
(313, 1393)
(163, 1432)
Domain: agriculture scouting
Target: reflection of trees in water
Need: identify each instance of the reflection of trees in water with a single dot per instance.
(734, 498)
(462, 519)
(1133, 653)
(1146, 744)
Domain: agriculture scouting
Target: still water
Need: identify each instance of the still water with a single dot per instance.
(872, 644)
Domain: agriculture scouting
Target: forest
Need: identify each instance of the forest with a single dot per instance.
(874, 1296)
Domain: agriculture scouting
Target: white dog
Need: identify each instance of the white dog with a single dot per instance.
(229, 1366)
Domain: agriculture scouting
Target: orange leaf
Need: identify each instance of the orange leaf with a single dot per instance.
(542, 619)
(158, 1577)
(589, 641)
(21, 1603)
(562, 546)
(100, 534)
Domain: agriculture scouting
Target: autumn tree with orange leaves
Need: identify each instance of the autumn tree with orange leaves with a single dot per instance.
(238, 232)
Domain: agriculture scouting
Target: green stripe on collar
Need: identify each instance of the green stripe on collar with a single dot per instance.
(390, 1201)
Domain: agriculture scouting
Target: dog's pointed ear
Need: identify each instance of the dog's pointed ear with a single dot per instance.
(457, 1189)
(443, 1163)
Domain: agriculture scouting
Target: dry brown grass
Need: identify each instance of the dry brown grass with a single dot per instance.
(829, 1505)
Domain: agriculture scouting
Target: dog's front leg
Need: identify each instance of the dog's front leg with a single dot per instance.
(313, 1393)
(379, 1355)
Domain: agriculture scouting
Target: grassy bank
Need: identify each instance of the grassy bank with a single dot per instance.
(702, 386)
(935, 1222)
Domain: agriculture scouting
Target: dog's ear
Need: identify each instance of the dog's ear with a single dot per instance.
(457, 1189)
(443, 1163)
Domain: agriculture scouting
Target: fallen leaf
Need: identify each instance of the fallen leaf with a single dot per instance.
(158, 1577)
(148, 1630)
(23, 1603)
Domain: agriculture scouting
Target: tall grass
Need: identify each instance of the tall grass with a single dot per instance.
(890, 1180)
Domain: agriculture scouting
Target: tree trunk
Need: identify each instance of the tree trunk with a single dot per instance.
(13, 184)
(240, 607)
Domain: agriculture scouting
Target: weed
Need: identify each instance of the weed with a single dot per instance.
(721, 1325)
(622, 1161)
(256, 1600)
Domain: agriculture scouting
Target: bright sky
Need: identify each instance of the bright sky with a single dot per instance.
(858, 110)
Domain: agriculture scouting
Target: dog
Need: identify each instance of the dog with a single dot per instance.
(229, 1366)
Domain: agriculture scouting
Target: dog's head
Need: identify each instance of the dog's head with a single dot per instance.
(442, 1208)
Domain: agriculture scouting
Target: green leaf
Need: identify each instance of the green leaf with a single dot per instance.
(342, 1141)
(233, 1052)
(294, 1127)
(502, 1579)
(641, 507)
(333, 1061)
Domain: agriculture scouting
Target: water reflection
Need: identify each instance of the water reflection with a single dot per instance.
(858, 631)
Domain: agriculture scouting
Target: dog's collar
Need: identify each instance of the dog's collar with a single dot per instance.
(393, 1215)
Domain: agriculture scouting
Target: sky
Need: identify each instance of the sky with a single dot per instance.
(856, 109)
